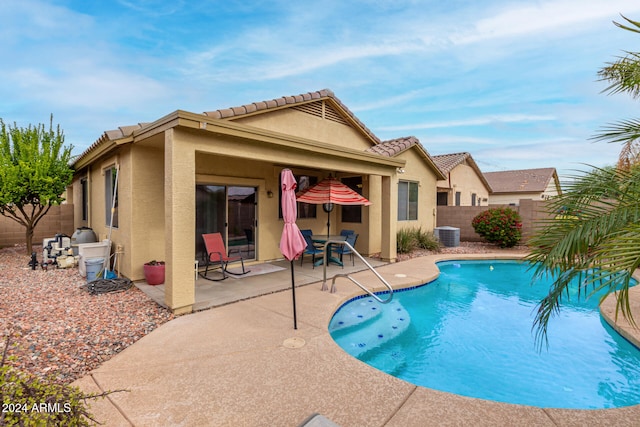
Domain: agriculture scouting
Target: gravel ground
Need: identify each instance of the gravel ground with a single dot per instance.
(57, 328)
(464, 248)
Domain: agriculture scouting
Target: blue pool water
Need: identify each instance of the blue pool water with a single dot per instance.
(470, 332)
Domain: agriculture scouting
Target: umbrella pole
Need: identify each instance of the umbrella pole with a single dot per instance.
(328, 222)
(293, 293)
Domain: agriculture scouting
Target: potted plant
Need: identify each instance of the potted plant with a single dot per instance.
(154, 272)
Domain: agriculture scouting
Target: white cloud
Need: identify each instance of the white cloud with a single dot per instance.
(546, 18)
(478, 121)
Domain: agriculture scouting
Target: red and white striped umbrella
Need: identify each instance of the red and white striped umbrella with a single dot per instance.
(330, 190)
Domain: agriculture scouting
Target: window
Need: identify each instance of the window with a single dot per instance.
(458, 194)
(443, 199)
(473, 199)
(111, 199)
(84, 185)
(352, 213)
(407, 201)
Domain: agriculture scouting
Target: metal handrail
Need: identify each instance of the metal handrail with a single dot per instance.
(369, 266)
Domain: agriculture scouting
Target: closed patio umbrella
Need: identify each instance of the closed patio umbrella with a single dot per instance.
(292, 242)
(330, 191)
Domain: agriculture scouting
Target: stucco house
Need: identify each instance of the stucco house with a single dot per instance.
(511, 186)
(186, 174)
(465, 184)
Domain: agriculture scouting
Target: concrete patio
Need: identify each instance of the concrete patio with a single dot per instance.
(243, 364)
(241, 287)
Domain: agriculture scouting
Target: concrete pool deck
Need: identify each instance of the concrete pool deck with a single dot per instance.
(243, 364)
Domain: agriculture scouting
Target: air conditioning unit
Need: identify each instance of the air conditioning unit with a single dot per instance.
(448, 236)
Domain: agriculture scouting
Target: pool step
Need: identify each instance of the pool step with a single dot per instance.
(357, 313)
(390, 321)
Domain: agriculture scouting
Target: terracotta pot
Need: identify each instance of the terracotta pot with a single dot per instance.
(154, 274)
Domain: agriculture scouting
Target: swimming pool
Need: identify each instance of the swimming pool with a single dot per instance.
(469, 332)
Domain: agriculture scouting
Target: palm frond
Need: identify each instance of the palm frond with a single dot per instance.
(623, 75)
(622, 131)
(635, 24)
(593, 240)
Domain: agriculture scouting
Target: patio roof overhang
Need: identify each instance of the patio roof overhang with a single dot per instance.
(306, 149)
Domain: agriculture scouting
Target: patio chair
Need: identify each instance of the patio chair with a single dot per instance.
(218, 257)
(344, 232)
(311, 249)
(343, 249)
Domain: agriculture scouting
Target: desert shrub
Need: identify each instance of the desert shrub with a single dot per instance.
(406, 241)
(31, 401)
(425, 240)
(409, 239)
(502, 226)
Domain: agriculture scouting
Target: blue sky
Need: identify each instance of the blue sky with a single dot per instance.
(512, 82)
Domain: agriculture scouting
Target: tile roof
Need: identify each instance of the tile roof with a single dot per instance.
(288, 101)
(446, 162)
(244, 110)
(393, 147)
(521, 181)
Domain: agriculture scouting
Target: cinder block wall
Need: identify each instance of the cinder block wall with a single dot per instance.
(59, 219)
(460, 217)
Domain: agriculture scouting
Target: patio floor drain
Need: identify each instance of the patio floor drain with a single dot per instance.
(294, 342)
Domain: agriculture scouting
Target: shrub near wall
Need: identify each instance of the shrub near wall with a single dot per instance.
(531, 212)
(502, 226)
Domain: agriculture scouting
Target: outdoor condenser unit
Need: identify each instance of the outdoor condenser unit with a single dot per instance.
(448, 236)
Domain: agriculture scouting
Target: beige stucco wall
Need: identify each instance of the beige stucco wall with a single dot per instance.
(550, 191)
(147, 218)
(416, 170)
(512, 199)
(97, 218)
(298, 123)
(465, 180)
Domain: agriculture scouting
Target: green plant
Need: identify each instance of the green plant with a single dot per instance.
(425, 240)
(406, 241)
(502, 226)
(31, 401)
(409, 239)
(34, 173)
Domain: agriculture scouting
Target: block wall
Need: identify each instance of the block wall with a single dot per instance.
(460, 217)
(59, 219)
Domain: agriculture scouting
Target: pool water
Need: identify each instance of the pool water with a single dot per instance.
(470, 332)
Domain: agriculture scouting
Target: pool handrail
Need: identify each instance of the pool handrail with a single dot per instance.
(369, 266)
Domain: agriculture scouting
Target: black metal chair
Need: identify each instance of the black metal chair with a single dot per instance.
(345, 250)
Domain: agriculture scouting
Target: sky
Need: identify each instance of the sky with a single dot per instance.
(514, 83)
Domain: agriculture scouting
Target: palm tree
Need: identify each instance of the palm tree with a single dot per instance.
(593, 234)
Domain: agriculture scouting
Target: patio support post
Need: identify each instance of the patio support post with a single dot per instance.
(373, 240)
(389, 219)
(179, 196)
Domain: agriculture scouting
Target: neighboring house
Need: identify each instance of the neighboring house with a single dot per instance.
(511, 186)
(186, 174)
(465, 184)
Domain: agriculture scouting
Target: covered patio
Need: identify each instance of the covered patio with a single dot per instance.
(272, 277)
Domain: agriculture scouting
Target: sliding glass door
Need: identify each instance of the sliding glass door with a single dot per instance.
(230, 211)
